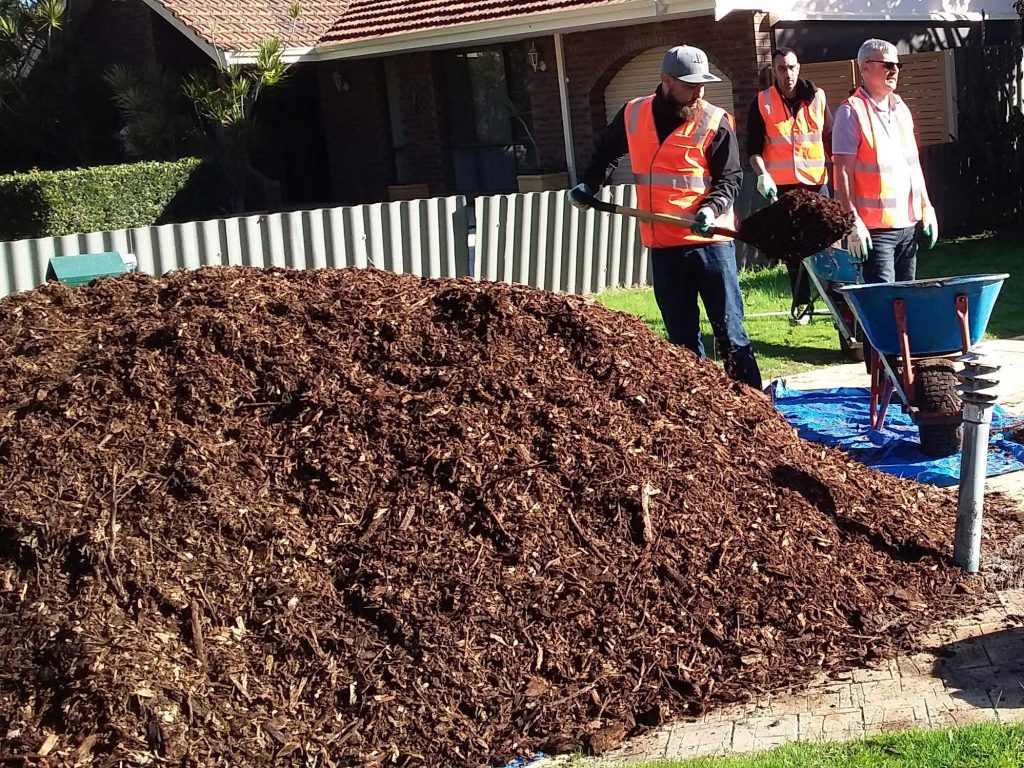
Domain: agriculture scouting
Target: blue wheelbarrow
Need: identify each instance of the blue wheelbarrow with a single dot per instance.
(829, 270)
(916, 330)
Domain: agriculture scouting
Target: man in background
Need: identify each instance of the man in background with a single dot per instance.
(789, 137)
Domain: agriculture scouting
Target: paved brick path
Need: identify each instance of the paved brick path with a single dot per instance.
(974, 673)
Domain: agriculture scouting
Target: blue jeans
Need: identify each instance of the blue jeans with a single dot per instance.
(893, 255)
(893, 258)
(683, 273)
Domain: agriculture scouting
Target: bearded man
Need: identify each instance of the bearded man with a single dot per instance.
(685, 159)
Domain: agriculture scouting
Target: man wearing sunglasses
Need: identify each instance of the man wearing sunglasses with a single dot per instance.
(878, 174)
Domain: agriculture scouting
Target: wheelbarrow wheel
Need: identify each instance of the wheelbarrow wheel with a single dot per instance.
(937, 395)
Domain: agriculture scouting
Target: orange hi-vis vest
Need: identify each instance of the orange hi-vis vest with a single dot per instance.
(794, 148)
(673, 177)
(881, 158)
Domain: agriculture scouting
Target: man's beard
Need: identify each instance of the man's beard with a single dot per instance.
(689, 111)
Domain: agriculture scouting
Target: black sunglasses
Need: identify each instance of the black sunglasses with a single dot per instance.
(892, 66)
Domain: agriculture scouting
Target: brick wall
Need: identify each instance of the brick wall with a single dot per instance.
(423, 117)
(356, 130)
(113, 33)
(357, 125)
(545, 107)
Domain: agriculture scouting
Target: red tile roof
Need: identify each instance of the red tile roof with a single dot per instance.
(239, 25)
(371, 19)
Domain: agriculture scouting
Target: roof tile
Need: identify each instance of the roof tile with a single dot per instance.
(239, 25)
(371, 19)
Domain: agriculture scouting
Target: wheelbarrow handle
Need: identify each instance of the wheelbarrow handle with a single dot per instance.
(636, 213)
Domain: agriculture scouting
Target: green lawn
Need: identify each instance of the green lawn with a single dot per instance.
(783, 348)
(975, 746)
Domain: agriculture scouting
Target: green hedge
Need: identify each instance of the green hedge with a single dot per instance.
(54, 203)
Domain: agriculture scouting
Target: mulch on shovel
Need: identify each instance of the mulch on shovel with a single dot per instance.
(799, 225)
(334, 518)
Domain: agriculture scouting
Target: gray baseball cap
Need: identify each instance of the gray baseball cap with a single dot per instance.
(689, 64)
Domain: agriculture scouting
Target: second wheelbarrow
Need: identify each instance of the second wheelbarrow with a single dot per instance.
(829, 270)
(916, 330)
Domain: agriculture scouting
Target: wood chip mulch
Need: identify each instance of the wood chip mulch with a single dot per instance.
(334, 518)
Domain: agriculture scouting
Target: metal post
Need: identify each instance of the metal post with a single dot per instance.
(563, 97)
(978, 390)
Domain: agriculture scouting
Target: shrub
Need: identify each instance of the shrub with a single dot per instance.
(54, 203)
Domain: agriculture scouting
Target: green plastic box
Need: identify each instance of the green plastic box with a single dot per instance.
(81, 269)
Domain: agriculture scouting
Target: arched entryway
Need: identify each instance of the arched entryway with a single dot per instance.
(639, 77)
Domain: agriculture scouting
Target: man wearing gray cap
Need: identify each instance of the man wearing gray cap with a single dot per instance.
(685, 160)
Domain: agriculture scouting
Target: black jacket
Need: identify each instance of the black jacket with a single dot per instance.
(723, 153)
(803, 94)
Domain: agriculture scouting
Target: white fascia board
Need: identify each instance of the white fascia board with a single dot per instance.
(943, 16)
(724, 7)
(185, 29)
(499, 30)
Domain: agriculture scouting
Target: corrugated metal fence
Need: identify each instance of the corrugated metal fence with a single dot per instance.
(538, 239)
(420, 237)
(541, 239)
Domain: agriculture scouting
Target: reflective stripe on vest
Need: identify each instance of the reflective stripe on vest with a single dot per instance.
(794, 152)
(672, 177)
(881, 160)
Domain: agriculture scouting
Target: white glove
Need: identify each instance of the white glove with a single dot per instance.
(703, 222)
(766, 187)
(931, 226)
(859, 241)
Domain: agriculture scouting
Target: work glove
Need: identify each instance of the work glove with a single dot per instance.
(930, 227)
(575, 195)
(766, 187)
(703, 222)
(859, 241)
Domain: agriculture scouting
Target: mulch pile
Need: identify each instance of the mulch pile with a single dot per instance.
(332, 518)
(801, 223)
(1016, 433)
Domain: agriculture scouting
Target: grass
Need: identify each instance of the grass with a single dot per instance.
(786, 349)
(973, 746)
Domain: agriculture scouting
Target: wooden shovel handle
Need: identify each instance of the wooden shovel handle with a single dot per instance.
(636, 213)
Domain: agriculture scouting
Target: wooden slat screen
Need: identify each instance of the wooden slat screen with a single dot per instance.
(927, 85)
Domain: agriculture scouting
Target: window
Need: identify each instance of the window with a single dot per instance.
(489, 122)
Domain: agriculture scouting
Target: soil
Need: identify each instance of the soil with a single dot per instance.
(1016, 433)
(330, 518)
(801, 223)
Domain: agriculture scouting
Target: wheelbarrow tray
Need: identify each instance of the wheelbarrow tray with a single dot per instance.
(834, 265)
(933, 326)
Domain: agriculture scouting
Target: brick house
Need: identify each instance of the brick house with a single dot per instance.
(398, 97)
(461, 99)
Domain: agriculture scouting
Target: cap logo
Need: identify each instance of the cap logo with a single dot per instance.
(698, 59)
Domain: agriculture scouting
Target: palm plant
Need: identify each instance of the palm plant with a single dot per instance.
(151, 106)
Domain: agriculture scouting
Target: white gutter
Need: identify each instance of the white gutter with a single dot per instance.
(496, 30)
(805, 10)
(933, 16)
(563, 96)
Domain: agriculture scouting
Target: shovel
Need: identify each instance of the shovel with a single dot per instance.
(802, 222)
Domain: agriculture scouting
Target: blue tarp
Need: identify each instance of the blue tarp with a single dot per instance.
(839, 417)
